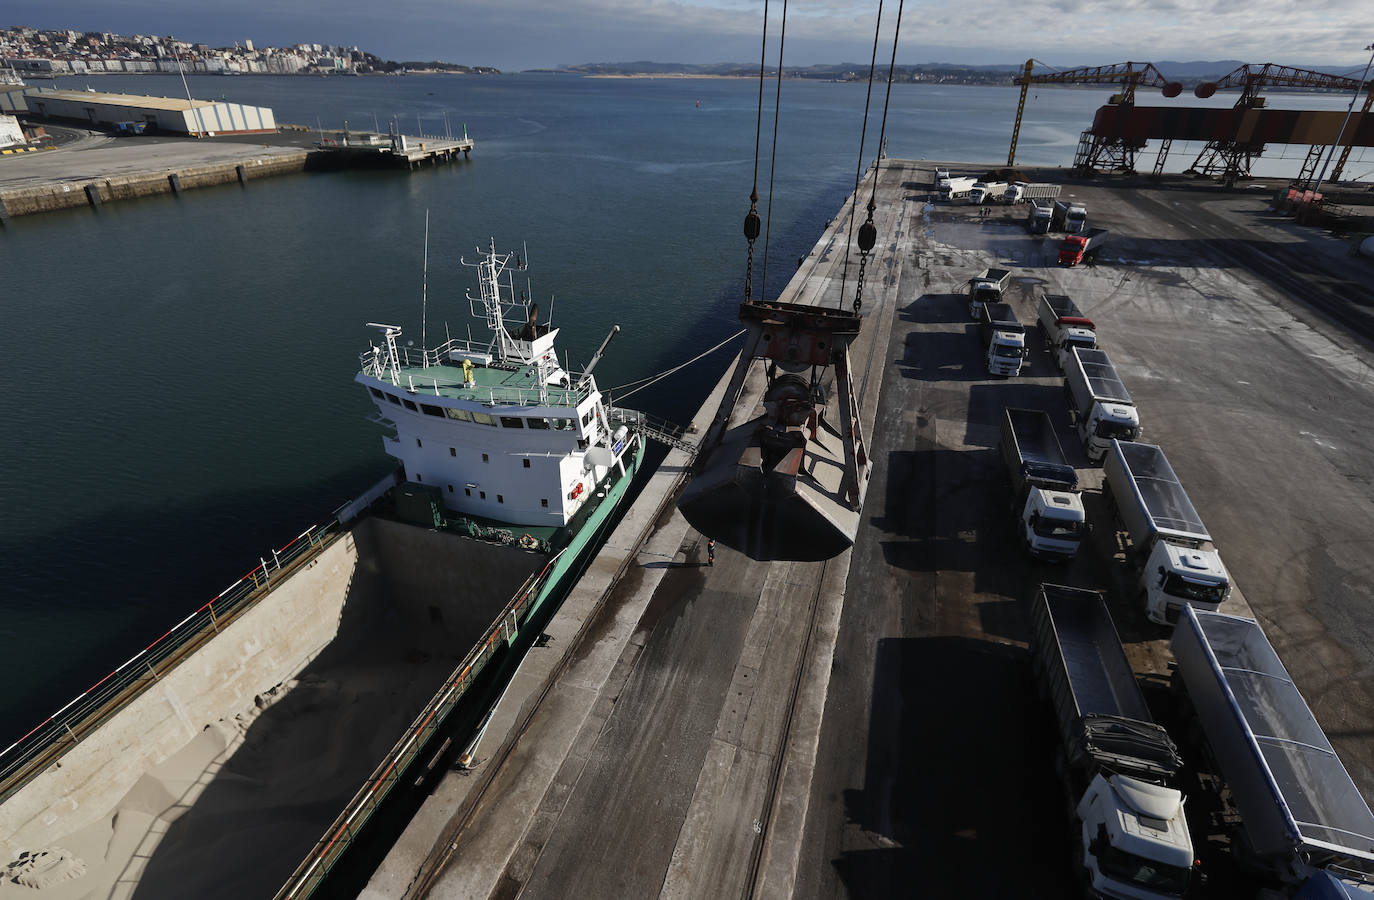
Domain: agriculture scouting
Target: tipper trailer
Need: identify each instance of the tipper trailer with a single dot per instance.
(986, 288)
(1099, 405)
(1064, 327)
(1004, 337)
(1175, 561)
(1049, 510)
(1021, 191)
(1130, 835)
(1298, 817)
(987, 191)
(956, 188)
(1077, 248)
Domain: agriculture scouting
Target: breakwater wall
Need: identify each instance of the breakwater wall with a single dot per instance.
(64, 194)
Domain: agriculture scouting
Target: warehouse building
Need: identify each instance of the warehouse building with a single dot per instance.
(169, 115)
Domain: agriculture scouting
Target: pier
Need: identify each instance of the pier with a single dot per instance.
(367, 148)
(862, 725)
(103, 169)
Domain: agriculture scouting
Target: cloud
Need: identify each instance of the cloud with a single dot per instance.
(539, 33)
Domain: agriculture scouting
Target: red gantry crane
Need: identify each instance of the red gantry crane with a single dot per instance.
(1231, 159)
(1096, 152)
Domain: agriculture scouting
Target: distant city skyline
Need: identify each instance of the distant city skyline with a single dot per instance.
(524, 34)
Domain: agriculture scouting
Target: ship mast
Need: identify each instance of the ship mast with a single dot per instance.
(496, 303)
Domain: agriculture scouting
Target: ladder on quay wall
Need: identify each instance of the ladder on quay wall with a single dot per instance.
(660, 430)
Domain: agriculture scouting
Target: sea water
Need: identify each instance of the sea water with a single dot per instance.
(178, 370)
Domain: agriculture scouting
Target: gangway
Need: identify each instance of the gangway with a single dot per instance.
(655, 429)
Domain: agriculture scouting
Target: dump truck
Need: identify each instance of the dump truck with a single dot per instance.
(1077, 248)
(1064, 327)
(1294, 814)
(1038, 216)
(986, 288)
(1021, 192)
(1175, 561)
(1049, 510)
(1069, 216)
(957, 188)
(987, 191)
(1004, 338)
(1099, 405)
(1130, 835)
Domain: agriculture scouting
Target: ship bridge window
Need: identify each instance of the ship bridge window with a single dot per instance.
(452, 451)
(482, 418)
(537, 423)
(527, 463)
(377, 392)
(486, 458)
(587, 419)
(429, 410)
(462, 415)
(544, 502)
(394, 399)
(562, 424)
(410, 405)
(512, 422)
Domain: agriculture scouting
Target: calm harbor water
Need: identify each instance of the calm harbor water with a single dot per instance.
(179, 372)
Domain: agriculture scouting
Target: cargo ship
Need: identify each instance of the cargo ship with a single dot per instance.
(242, 753)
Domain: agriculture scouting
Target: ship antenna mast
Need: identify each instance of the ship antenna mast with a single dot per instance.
(424, 295)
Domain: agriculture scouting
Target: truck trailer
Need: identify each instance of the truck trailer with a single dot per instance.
(1038, 216)
(1130, 835)
(1099, 405)
(1069, 216)
(957, 188)
(1064, 327)
(987, 191)
(1005, 339)
(986, 288)
(1295, 815)
(1049, 510)
(1176, 563)
(1077, 248)
(1021, 192)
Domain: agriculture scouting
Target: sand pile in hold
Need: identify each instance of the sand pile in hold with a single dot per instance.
(44, 868)
(105, 859)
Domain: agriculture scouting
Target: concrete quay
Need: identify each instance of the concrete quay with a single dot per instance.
(102, 169)
(868, 726)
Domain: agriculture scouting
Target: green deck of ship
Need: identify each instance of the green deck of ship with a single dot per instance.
(498, 385)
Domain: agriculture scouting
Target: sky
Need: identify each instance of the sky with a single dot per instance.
(522, 34)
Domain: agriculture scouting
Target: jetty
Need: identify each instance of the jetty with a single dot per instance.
(102, 169)
(371, 147)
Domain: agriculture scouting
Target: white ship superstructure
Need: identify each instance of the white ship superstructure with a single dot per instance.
(499, 428)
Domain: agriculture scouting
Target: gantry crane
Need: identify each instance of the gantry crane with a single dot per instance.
(1094, 151)
(1231, 159)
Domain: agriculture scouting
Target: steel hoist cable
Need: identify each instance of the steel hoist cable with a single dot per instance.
(752, 225)
(859, 168)
(868, 232)
(773, 155)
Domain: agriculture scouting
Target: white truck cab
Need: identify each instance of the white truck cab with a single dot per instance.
(1006, 350)
(1175, 576)
(1135, 841)
(1053, 523)
(1105, 422)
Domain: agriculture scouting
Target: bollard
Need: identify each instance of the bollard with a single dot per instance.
(93, 194)
(175, 181)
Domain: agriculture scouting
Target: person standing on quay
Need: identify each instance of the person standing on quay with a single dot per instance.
(710, 552)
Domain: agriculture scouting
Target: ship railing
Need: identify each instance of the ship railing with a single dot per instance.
(31, 754)
(332, 845)
(660, 430)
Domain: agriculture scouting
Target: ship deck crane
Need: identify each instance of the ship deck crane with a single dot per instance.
(1231, 159)
(1095, 152)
